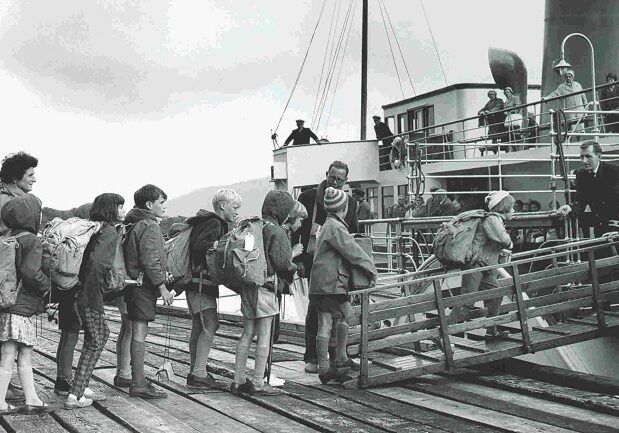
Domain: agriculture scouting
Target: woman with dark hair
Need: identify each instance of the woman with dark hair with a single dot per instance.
(16, 179)
(94, 278)
(609, 101)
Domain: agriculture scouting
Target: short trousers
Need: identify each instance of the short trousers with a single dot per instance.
(141, 302)
(121, 304)
(258, 303)
(334, 304)
(197, 301)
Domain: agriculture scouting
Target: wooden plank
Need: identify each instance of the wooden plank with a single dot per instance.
(468, 344)
(469, 412)
(522, 312)
(534, 409)
(595, 283)
(443, 327)
(31, 424)
(549, 330)
(363, 342)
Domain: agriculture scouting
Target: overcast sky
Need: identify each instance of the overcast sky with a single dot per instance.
(110, 95)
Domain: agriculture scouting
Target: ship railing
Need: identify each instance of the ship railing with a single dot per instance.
(402, 245)
(422, 316)
(525, 126)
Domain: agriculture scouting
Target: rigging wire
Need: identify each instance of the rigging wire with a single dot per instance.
(399, 48)
(322, 69)
(433, 41)
(341, 64)
(395, 64)
(332, 67)
(300, 69)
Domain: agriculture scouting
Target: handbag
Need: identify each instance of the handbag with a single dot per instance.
(513, 120)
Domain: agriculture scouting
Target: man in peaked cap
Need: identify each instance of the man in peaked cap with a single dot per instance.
(301, 135)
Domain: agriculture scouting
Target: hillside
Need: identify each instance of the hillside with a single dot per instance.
(252, 192)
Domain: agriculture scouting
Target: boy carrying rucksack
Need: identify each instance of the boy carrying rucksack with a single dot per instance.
(144, 253)
(207, 228)
(337, 256)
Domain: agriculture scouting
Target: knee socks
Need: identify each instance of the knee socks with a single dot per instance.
(137, 363)
(203, 348)
(341, 331)
(260, 362)
(240, 365)
(27, 382)
(322, 349)
(5, 378)
(123, 355)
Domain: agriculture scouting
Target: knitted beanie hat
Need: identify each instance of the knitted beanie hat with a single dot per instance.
(495, 197)
(335, 200)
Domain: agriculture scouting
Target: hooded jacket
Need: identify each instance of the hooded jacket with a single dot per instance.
(23, 214)
(8, 191)
(337, 253)
(144, 248)
(207, 228)
(490, 238)
(96, 265)
(275, 208)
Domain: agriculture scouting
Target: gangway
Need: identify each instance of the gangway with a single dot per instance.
(588, 283)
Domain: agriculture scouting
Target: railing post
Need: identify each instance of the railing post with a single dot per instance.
(443, 326)
(522, 310)
(363, 342)
(595, 284)
(399, 250)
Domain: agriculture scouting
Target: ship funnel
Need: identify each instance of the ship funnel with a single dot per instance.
(508, 69)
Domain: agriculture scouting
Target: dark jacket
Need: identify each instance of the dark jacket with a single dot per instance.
(144, 248)
(337, 253)
(8, 192)
(275, 208)
(300, 137)
(382, 130)
(364, 212)
(23, 214)
(308, 198)
(207, 228)
(96, 266)
(601, 193)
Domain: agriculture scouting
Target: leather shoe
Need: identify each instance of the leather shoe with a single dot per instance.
(14, 394)
(208, 382)
(311, 367)
(121, 382)
(146, 392)
(246, 388)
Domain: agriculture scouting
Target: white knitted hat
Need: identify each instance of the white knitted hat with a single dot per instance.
(495, 197)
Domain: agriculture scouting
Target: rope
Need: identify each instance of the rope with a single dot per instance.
(301, 68)
(340, 70)
(399, 48)
(395, 65)
(433, 41)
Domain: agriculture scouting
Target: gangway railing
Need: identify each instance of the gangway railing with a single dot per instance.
(389, 354)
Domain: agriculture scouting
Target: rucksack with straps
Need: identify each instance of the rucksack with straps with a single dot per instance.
(454, 241)
(117, 275)
(238, 261)
(64, 243)
(9, 278)
(178, 257)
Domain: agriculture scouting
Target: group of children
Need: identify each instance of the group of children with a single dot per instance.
(139, 234)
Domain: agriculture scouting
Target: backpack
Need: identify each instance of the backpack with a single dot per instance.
(64, 243)
(115, 280)
(9, 281)
(453, 243)
(238, 261)
(178, 257)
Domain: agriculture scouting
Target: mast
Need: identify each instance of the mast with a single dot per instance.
(364, 68)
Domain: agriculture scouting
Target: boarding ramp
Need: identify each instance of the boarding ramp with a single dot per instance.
(578, 286)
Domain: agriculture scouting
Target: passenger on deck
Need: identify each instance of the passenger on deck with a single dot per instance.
(399, 209)
(489, 243)
(492, 117)
(535, 206)
(518, 204)
(382, 131)
(301, 135)
(570, 101)
(364, 212)
(437, 205)
(597, 185)
(609, 101)
(513, 121)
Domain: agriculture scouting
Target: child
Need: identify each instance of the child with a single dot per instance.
(337, 253)
(122, 379)
(490, 240)
(144, 253)
(258, 306)
(208, 228)
(69, 325)
(94, 276)
(17, 332)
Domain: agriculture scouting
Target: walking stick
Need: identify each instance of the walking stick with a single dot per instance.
(272, 337)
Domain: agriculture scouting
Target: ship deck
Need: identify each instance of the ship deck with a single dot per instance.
(466, 400)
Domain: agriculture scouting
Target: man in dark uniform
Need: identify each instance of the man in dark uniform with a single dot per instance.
(313, 200)
(597, 185)
(382, 131)
(300, 135)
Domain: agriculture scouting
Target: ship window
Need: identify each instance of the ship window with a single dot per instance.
(403, 190)
(387, 199)
(371, 194)
(401, 123)
(390, 123)
(422, 117)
